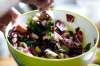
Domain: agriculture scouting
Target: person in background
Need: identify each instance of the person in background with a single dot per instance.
(6, 13)
(5, 5)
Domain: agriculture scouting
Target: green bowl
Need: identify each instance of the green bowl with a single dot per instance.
(91, 35)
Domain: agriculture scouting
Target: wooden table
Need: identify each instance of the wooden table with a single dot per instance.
(8, 61)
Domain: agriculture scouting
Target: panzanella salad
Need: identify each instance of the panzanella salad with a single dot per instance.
(44, 37)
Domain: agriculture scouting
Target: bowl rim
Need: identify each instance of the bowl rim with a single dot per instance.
(40, 58)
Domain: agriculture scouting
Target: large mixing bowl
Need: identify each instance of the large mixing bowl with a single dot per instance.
(90, 32)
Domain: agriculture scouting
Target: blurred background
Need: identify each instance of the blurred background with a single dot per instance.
(11, 9)
(88, 8)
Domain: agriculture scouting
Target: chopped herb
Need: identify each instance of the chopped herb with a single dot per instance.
(88, 46)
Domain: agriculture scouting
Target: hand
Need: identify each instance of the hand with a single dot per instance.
(40, 4)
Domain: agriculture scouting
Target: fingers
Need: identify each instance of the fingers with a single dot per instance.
(40, 4)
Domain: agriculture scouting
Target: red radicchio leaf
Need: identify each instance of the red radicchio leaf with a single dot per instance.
(70, 18)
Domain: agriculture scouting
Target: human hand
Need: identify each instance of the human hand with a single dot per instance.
(40, 4)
